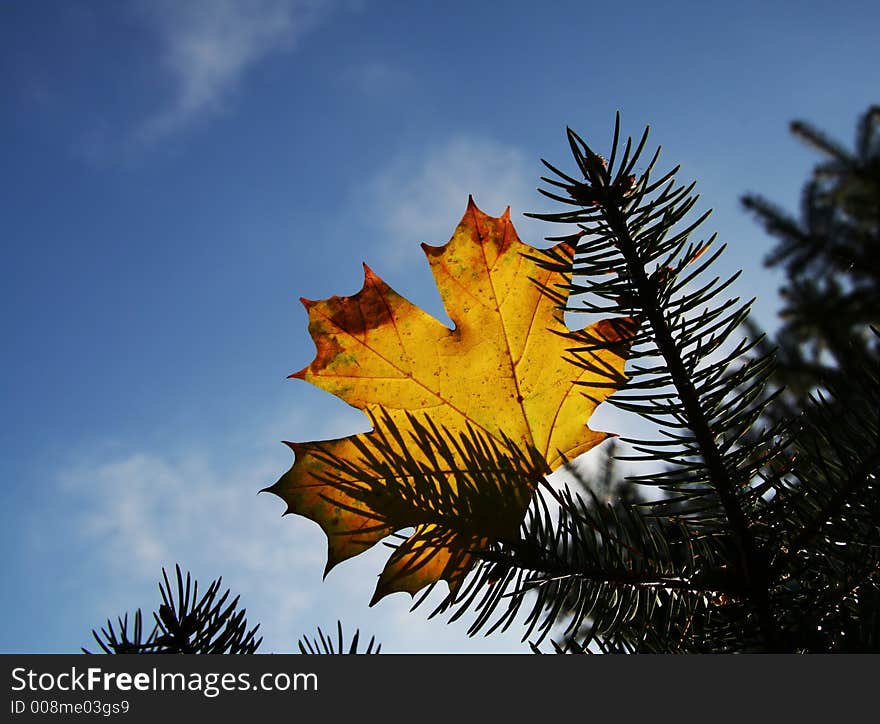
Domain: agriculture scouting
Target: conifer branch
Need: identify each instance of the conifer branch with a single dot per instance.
(752, 559)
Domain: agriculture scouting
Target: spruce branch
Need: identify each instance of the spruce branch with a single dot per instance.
(184, 623)
(705, 407)
(324, 644)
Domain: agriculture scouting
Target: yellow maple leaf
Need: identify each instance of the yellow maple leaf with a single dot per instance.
(503, 376)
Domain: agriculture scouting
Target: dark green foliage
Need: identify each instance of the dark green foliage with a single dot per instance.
(649, 577)
(184, 624)
(799, 571)
(828, 358)
(325, 645)
(765, 537)
(824, 524)
(831, 256)
(187, 624)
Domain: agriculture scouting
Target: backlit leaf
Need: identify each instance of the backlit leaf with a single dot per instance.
(465, 420)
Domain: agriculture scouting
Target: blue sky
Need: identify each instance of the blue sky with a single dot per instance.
(177, 174)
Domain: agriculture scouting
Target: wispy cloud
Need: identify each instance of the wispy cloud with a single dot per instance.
(421, 196)
(207, 47)
(144, 510)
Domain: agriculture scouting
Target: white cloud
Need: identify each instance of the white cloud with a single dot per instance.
(420, 198)
(207, 46)
(138, 512)
(145, 511)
